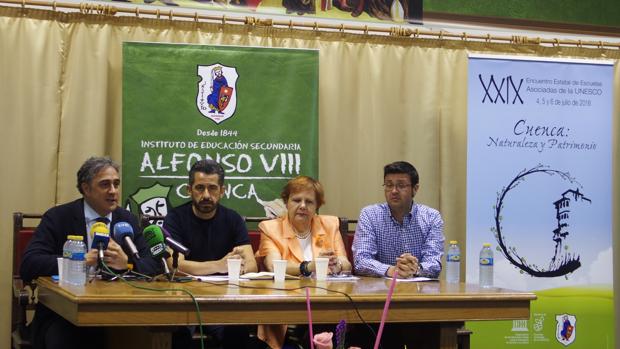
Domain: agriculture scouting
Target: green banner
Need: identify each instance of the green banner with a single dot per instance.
(254, 110)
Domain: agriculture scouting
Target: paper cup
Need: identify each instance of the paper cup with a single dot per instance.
(321, 265)
(279, 270)
(234, 267)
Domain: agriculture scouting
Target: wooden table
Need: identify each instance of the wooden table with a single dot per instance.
(102, 303)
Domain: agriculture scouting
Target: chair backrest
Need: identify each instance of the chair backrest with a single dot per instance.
(21, 237)
(146, 220)
(347, 235)
(24, 296)
(254, 234)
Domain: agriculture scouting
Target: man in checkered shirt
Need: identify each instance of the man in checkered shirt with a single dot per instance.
(399, 236)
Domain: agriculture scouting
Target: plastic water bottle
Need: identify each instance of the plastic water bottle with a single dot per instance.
(67, 249)
(453, 263)
(486, 266)
(76, 273)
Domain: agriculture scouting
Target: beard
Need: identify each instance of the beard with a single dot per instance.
(207, 206)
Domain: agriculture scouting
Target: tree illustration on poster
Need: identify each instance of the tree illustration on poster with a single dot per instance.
(561, 264)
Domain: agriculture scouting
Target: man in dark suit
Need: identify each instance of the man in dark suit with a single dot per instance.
(98, 181)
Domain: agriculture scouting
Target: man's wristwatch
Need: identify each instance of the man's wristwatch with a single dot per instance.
(303, 269)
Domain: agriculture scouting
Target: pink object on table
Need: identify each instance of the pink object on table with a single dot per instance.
(323, 340)
(385, 311)
(309, 318)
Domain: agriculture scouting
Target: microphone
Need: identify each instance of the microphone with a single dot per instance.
(155, 241)
(124, 232)
(101, 237)
(175, 245)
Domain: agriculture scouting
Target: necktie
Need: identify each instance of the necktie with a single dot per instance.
(103, 220)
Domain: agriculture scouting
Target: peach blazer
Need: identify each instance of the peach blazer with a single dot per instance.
(278, 235)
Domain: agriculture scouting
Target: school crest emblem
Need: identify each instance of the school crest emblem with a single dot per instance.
(216, 98)
(566, 328)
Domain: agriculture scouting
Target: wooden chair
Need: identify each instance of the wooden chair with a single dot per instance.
(254, 233)
(347, 236)
(24, 294)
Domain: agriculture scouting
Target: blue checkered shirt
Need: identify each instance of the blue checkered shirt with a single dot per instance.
(380, 239)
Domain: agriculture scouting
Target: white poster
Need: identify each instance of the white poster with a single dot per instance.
(539, 189)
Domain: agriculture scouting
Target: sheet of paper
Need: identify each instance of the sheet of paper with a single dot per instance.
(414, 279)
(338, 278)
(213, 278)
(264, 275)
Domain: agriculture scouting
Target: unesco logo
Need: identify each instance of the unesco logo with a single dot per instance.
(504, 91)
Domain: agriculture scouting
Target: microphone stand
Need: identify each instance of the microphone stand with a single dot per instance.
(166, 269)
(100, 250)
(170, 275)
(175, 267)
(175, 261)
(165, 275)
(100, 255)
(102, 269)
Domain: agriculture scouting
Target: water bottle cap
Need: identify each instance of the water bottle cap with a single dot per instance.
(486, 244)
(453, 242)
(75, 237)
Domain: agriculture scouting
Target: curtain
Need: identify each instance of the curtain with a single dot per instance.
(381, 99)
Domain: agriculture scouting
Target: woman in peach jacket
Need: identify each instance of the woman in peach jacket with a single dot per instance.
(298, 237)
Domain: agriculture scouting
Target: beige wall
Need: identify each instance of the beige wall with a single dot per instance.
(60, 101)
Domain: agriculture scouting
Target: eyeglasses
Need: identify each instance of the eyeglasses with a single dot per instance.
(398, 186)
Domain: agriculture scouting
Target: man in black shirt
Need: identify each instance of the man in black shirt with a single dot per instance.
(213, 233)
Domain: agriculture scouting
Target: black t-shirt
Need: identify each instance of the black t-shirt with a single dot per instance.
(207, 239)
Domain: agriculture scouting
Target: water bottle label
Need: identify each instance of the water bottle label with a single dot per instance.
(486, 261)
(77, 256)
(66, 254)
(454, 258)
